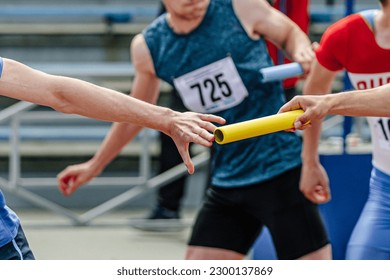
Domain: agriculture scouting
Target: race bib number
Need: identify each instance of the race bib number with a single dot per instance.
(212, 88)
(365, 81)
(382, 131)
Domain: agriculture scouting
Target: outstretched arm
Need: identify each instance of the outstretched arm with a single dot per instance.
(371, 102)
(182, 127)
(73, 96)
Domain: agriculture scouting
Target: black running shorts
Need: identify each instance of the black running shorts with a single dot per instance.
(232, 218)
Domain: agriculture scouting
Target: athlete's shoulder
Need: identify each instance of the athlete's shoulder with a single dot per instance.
(140, 55)
(345, 24)
(155, 26)
(349, 28)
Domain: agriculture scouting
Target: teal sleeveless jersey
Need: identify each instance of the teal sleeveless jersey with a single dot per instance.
(219, 35)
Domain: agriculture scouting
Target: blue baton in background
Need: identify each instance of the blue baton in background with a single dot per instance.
(281, 72)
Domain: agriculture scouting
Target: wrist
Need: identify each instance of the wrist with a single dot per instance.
(96, 165)
(331, 101)
(165, 121)
(310, 160)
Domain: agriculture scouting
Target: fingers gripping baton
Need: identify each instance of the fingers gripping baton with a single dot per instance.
(256, 127)
(280, 72)
(270, 124)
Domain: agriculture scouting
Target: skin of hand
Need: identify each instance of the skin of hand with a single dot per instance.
(258, 18)
(314, 179)
(313, 175)
(371, 102)
(75, 96)
(192, 127)
(315, 183)
(305, 57)
(314, 107)
(261, 20)
(185, 128)
(74, 176)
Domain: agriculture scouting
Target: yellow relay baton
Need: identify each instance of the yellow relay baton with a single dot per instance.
(256, 127)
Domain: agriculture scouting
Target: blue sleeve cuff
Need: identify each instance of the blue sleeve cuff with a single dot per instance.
(1, 66)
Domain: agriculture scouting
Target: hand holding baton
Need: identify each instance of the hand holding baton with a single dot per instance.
(256, 127)
(265, 125)
(281, 72)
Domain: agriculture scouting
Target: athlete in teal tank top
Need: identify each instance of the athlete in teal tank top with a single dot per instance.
(189, 63)
(212, 51)
(213, 58)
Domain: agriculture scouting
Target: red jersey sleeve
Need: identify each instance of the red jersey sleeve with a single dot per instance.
(333, 49)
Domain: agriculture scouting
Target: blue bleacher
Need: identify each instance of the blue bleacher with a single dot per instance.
(58, 133)
(320, 13)
(107, 13)
(75, 133)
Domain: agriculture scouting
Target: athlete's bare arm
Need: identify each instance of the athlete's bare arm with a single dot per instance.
(191, 125)
(261, 19)
(371, 102)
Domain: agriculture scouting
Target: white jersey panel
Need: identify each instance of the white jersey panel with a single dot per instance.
(379, 127)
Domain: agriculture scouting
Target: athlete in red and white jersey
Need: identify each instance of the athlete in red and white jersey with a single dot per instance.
(360, 45)
(350, 44)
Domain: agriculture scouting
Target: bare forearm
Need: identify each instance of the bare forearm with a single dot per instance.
(74, 96)
(372, 102)
(297, 42)
(96, 102)
(119, 135)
